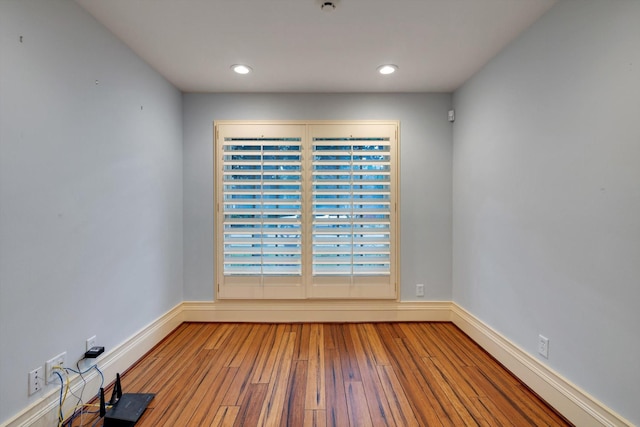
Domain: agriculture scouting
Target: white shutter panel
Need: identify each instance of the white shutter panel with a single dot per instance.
(351, 206)
(261, 212)
(262, 206)
(352, 211)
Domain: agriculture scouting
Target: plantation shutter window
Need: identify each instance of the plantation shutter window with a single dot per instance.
(306, 210)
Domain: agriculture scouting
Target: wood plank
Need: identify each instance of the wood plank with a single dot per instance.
(251, 406)
(270, 364)
(293, 411)
(219, 336)
(329, 340)
(207, 380)
(357, 405)
(148, 368)
(348, 359)
(461, 385)
(302, 346)
(225, 417)
(501, 398)
(271, 412)
(171, 380)
(246, 335)
(371, 341)
(238, 388)
(247, 354)
(458, 342)
(169, 400)
(535, 406)
(315, 392)
(491, 412)
(424, 403)
(171, 357)
(206, 411)
(376, 399)
(420, 348)
(435, 334)
(386, 331)
(477, 356)
(457, 376)
(266, 349)
(315, 418)
(454, 397)
(398, 402)
(336, 400)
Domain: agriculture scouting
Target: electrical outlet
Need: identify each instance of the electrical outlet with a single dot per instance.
(35, 380)
(52, 365)
(543, 346)
(419, 290)
(91, 342)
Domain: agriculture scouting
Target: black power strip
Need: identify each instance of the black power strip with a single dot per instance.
(94, 352)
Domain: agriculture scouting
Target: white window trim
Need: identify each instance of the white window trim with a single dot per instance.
(307, 285)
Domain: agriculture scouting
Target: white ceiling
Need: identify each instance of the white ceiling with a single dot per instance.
(293, 46)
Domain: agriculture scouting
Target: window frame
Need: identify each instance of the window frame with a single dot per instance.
(306, 285)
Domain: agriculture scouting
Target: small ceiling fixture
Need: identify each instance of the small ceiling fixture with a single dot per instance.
(328, 6)
(241, 69)
(387, 69)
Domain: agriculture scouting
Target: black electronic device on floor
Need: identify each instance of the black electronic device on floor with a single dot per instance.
(126, 409)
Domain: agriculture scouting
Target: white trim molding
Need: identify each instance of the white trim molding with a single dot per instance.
(573, 403)
(43, 413)
(300, 311)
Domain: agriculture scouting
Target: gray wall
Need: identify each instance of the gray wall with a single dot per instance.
(547, 195)
(90, 191)
(425, 175)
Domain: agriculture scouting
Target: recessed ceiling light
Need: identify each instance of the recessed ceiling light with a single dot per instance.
(387, 69)
(241, 69)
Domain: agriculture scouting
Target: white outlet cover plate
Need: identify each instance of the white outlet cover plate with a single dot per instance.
(59, 360)
(543, 346)
(35, 380)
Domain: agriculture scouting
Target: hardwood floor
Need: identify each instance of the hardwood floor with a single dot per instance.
(367, 374)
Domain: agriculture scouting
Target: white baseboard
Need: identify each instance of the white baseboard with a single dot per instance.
(43, 413)
(317, 311)
(573, 403)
